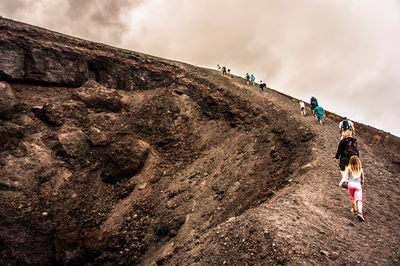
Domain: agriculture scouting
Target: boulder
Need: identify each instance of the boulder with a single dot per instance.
(124, 159)
(59, 112)
(98, 137)
(73, 141)
(97, 96)
(7, 101)
(10, 133)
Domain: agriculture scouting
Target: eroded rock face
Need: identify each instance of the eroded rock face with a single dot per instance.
(41, 56)
(124, 159)
(7, 101)
(55, 66)
(12, 62)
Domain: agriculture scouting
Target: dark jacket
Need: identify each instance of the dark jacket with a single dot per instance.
(342, 146)
(313, 99)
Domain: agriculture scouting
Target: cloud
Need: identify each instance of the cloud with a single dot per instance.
(97, 20)
(10, 8)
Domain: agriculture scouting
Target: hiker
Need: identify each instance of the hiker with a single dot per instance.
(347, 147)
(223, 71)
(314, 103)
(302, 108)
(253, 78)
(229, 70)
(344, 125)
(262, 85)
(219, 67)
(355, 175)
(247, 78)
(319, 113)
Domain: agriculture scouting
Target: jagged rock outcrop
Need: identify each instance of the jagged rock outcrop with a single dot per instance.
(38, 55)
(12, 60)
(32, 62)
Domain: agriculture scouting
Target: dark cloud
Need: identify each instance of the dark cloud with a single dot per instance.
(100, 20)
(97, 20)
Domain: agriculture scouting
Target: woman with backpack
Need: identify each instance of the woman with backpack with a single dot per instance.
(355, 174)
(347, 147)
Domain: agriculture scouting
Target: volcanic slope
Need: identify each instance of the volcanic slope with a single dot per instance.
(308, 221)
(132, 159)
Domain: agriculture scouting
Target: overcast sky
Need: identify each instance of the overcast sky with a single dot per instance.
(344, 52)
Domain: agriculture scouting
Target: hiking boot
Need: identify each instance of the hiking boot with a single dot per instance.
(360, 216)
(353, 211)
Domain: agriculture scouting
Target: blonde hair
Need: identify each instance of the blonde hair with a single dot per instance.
(347, 133)
(355, 165)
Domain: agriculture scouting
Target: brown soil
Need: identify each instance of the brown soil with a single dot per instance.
(199, 169)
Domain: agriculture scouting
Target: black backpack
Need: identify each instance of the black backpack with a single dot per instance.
(314, 101)
(351, 148)
(346, 125)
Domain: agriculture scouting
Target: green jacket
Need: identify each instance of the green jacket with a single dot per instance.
(319, 111)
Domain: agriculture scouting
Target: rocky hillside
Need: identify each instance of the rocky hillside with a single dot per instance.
(110, 156)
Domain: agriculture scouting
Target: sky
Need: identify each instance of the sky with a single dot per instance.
(346, 53)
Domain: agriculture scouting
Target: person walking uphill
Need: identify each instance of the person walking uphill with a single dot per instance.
(302, 108)
(247, 78)
(355, 174)
(313, 103)
(262, 85)
(347, 147)
(253, 78)
(344, 125)
(319, 113)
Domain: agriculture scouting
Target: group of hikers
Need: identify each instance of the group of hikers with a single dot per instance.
(250, 79)
(347, 157)
(316, 110)
(224, 70)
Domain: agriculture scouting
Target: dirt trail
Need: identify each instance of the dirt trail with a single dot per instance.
(309, 222)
